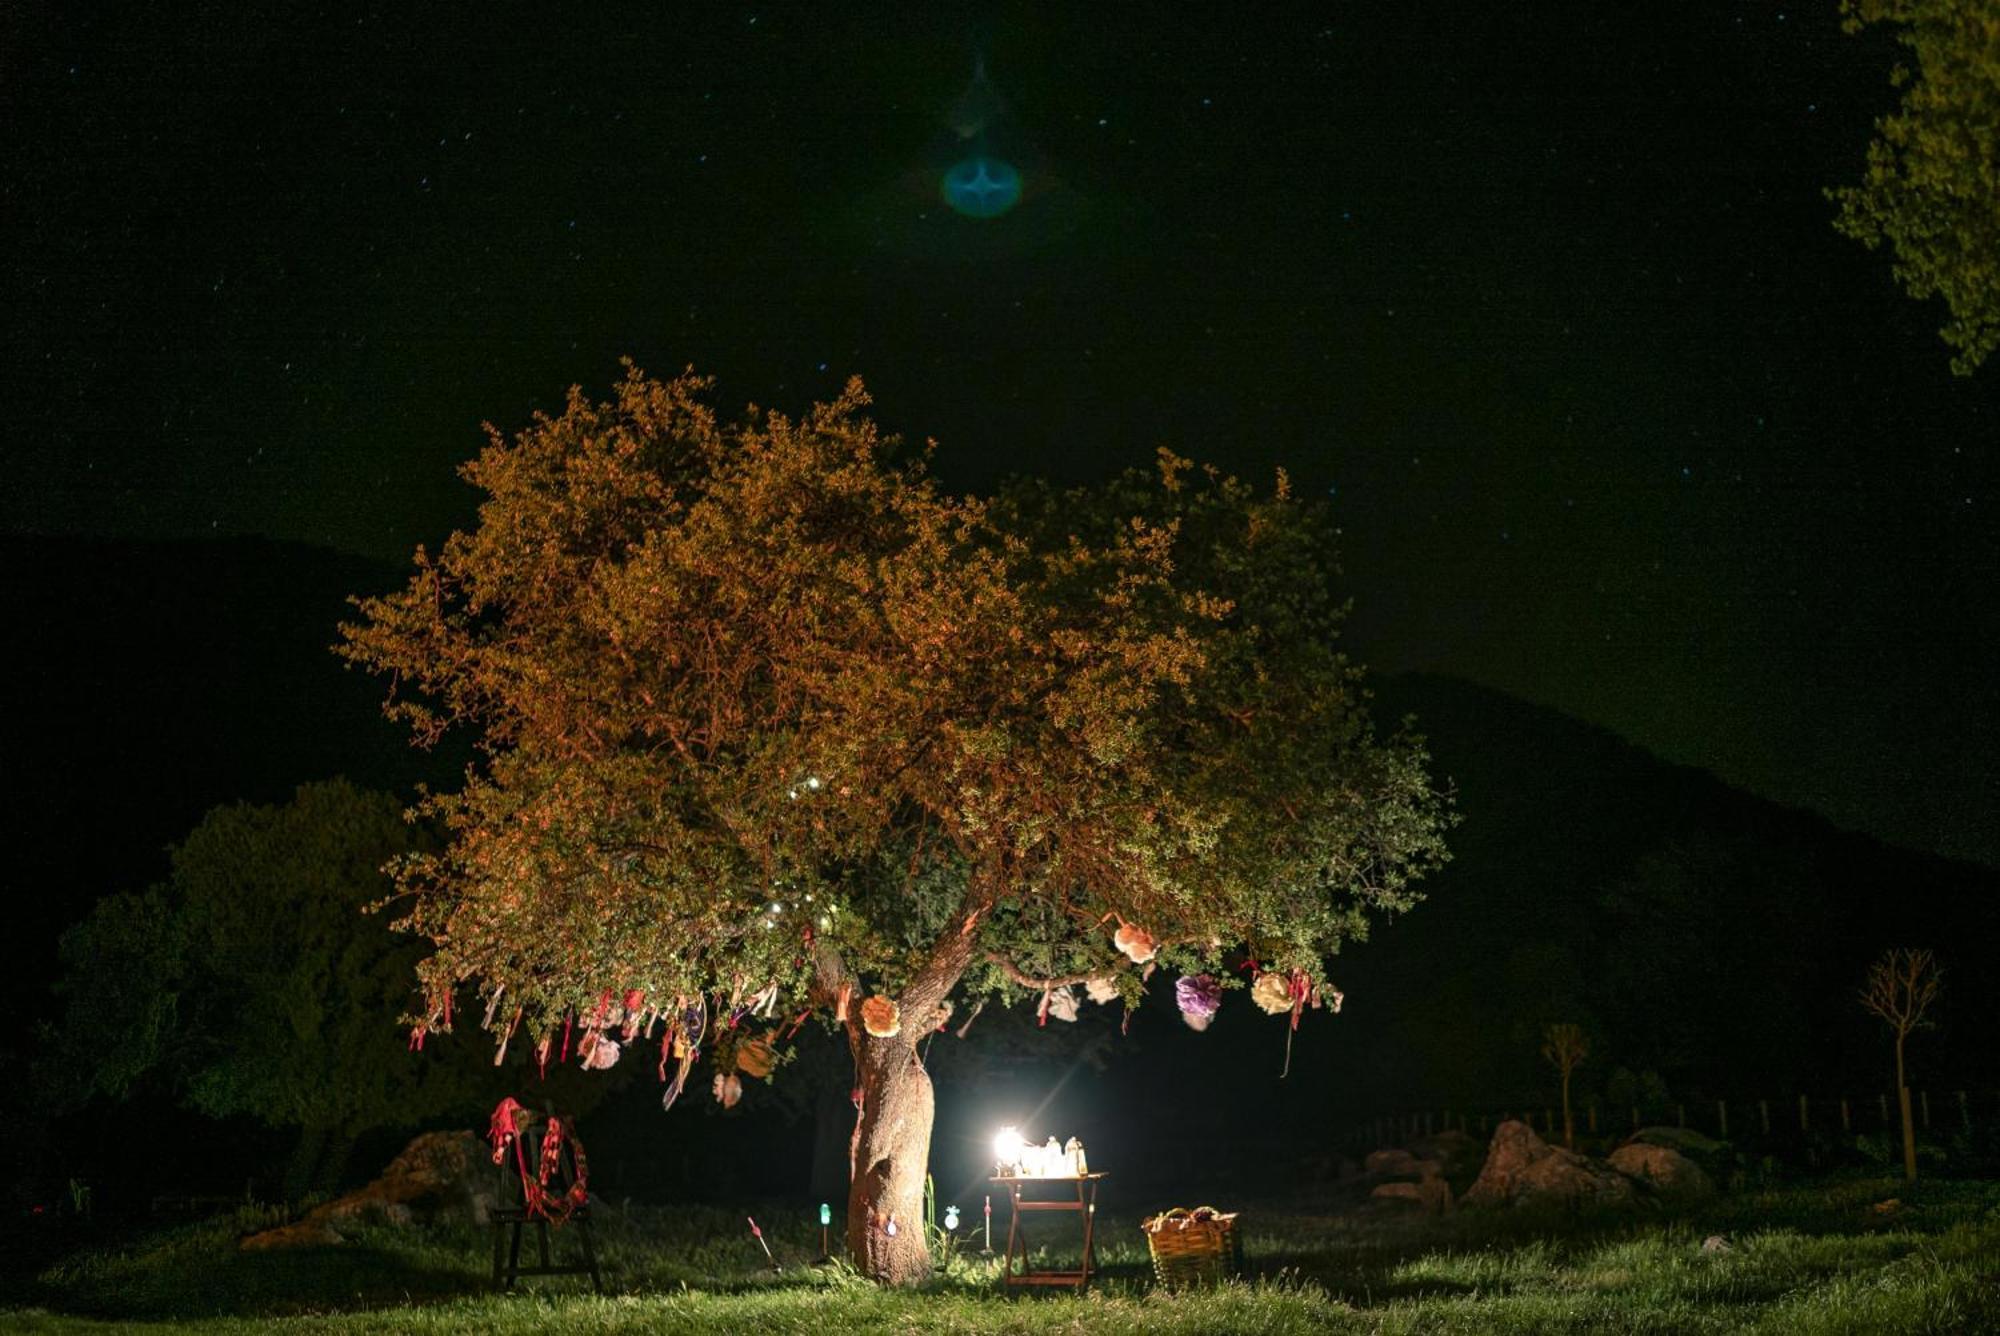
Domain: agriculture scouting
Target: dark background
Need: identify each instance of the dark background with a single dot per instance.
(1626, 442)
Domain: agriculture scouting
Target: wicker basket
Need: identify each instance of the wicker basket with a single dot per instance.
(1194, 1247)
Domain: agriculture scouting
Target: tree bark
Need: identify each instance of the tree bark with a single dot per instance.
(1909, 1125)
(890, 1152)
(890, 1156)
(1569, 1126)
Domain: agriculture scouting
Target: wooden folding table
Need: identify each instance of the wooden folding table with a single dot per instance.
(1079, 1196)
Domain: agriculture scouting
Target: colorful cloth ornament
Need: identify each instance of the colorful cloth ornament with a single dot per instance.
(881, 1017)
(599, 1051)
(755, 1058)
(1137, 944)
(728, 1089)
(1272, 993)
(679, 1083)
(538, 1186)
(1101, 990)
(1199, 997)
(1062, 1003)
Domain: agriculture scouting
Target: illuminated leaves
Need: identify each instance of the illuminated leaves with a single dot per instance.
(751, 694)
(1931, 191)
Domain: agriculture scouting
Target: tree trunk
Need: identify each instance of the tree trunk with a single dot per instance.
(1569, 1126)
(300, 1169)
(1909, 1126)
(890, 1155)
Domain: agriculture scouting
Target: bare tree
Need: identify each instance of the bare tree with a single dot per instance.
(1565, 1048)
(1900, 989)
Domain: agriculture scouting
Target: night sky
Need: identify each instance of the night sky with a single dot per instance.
(1546, 296)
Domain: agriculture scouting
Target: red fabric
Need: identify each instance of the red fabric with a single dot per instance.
(505, 1130)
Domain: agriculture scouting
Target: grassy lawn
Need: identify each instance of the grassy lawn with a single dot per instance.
(1798, 1260)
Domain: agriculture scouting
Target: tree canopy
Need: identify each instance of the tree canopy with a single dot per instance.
(1932, 186)
(253, 982)
(771, 721)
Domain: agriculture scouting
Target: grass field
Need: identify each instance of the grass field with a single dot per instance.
(1798, 1260)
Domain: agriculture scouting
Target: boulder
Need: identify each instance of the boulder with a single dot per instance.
(1400, 1164)
(1430, 1192)
(1523, 1170)
(1665, 1170)
(1454, 1149)
(440, 1177)
(1716, 1158)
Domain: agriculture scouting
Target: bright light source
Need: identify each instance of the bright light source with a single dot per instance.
(1007, 1147)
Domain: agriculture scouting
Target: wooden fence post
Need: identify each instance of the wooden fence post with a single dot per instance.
(1590, 1113)
(1722, 1117)
(1925, 1097)
(1764, 1115)
(1883, 1100)
(1846, 1123)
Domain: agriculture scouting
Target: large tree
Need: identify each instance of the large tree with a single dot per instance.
(771, 722)
(1932, 188)
(252, 981)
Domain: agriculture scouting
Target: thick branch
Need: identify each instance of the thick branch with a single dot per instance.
(953, 951)
(830, 976)
(1020, 976)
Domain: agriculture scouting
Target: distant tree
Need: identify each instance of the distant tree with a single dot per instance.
(1901, 987)
(771, 721)
(1932, 187)
(254, 983)
(1565, 1048)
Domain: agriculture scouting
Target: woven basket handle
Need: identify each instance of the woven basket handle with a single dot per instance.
(1180, 1217)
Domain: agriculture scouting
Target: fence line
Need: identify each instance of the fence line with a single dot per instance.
(1965, 1109)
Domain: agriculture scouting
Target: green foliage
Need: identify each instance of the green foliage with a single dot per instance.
(253, 979)
(1932, 186)
(761, 704)
(122, 972)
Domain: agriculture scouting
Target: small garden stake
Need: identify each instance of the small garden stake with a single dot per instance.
(758, 1235)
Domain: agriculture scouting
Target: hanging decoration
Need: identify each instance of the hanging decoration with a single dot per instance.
(728, 1089)
(1101, 990)
(685, 1046)
(881, 1017)
(541, 1192)
(1272, 992)
(1061, 1003)
(1199, 997)
(1137, 944)
(598, 1051)
(755, 1058)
